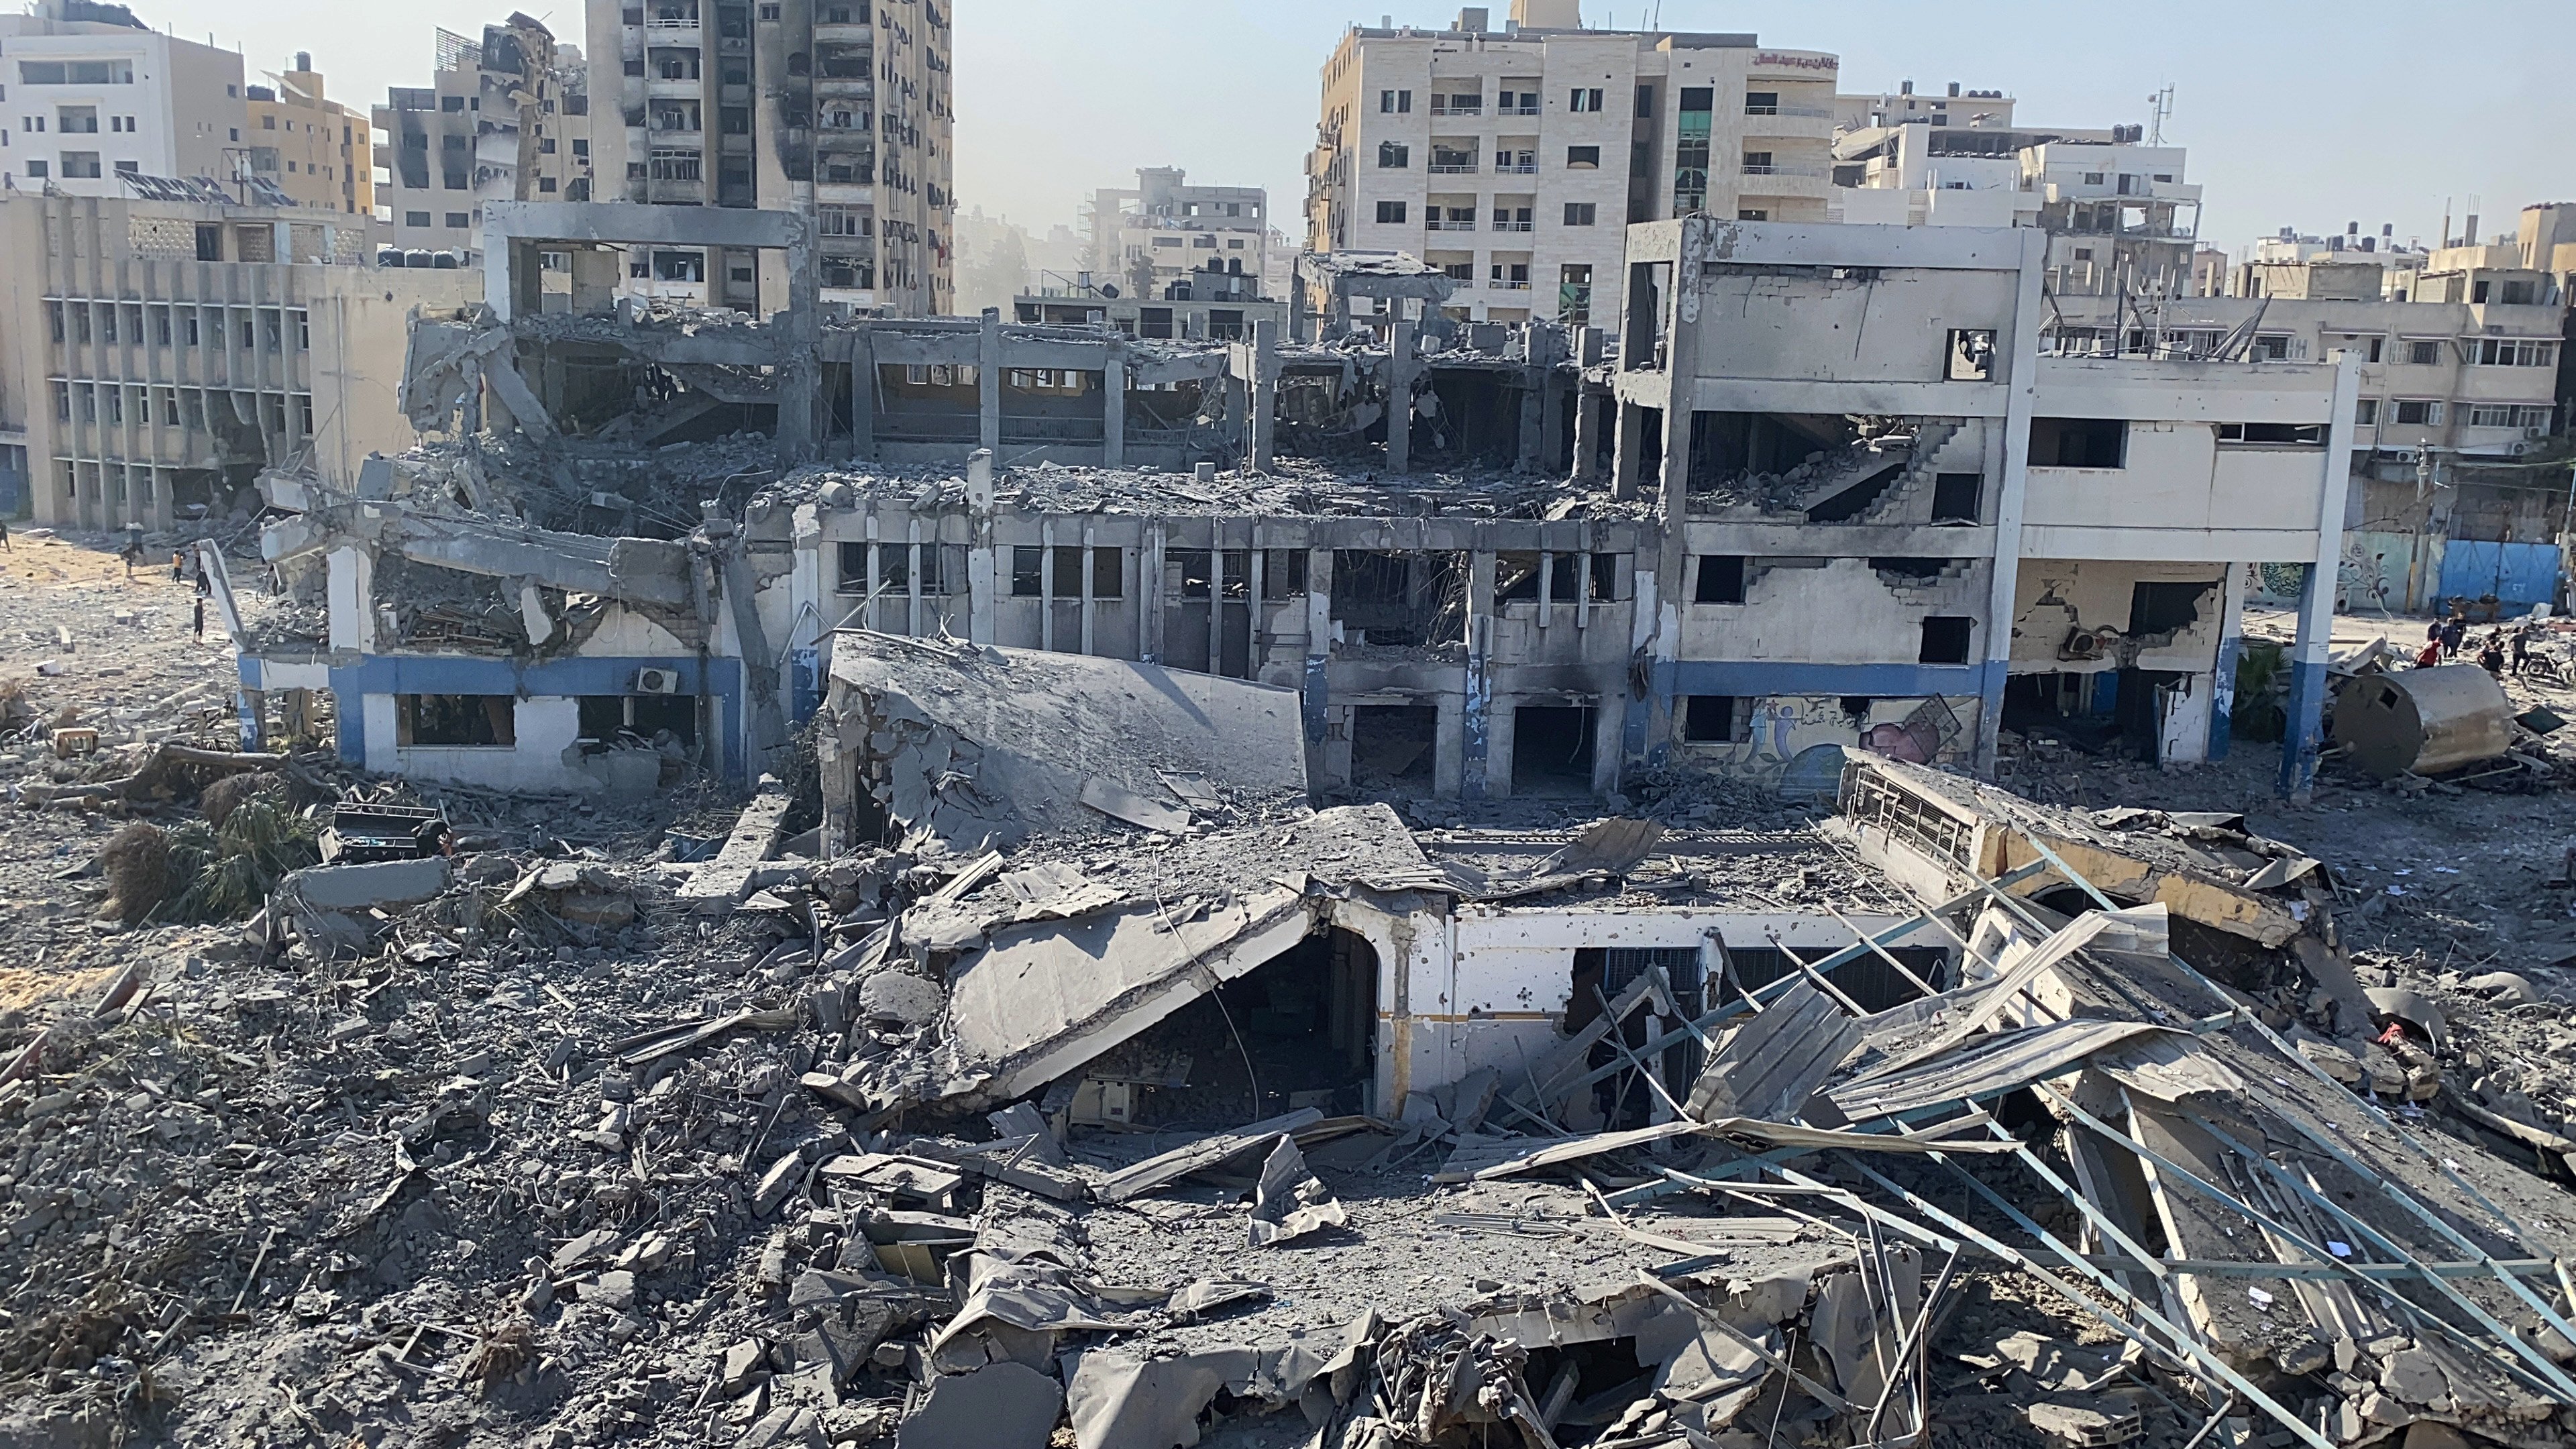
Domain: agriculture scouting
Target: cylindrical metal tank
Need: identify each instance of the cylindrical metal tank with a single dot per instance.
(2423, 720)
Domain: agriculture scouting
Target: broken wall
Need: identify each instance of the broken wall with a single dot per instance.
(1498, 991)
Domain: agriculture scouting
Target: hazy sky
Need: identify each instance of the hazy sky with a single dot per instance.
(2308, 115)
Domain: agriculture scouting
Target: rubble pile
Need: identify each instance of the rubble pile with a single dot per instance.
(410, 1115)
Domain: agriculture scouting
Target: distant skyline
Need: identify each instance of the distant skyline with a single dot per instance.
(2371, 111)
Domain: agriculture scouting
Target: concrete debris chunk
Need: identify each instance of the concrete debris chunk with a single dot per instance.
(1289, 1201)
(998, 1406)
(2087, 1423)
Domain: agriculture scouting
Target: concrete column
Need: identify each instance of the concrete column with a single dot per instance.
(872, 578)
(863, 395)
(1474, 721)
(988, 379)
(806, 626)
(1149, 596)
(1046, 583)
(352, 595)
(1265, 392)
(1627, 450)
(1646, 725)
(1586, 420)
(2021, 384)
(1216, 596)
(980, 573)
(1090, 545)
(2231, 647)
(1319, 649)
(912, 584)
(1255, 565)
(1400, 370)
(1113, 414)
(2317, 593)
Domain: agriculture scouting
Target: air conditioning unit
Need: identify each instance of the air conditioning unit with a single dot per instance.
(2081, 644)
(657, 681)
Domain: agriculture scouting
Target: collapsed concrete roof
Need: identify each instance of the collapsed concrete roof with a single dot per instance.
(984, 747)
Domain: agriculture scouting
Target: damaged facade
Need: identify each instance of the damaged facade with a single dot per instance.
(1883, 519)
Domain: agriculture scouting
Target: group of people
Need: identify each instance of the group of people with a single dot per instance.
(2495, 652)
(182, 562)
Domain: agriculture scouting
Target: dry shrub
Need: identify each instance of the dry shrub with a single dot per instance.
(136, 862)
(221, 798)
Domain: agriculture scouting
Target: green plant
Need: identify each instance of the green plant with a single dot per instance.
(2257, 714)
(226, 874)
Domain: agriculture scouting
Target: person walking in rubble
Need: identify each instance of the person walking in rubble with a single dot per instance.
(2521, 650)
(178, 567)
(4, 536)
(2455, 629)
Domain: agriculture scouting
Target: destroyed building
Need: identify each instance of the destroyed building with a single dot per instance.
(1883, 519)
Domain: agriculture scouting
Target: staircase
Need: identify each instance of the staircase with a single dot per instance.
(1895, 504)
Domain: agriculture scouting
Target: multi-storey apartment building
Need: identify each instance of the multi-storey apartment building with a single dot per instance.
(157, 355)
(1514, 159)
(2458, 357)
(1146, 238)
(839, 110)
(505, 118)
(2120, 216)
(314, 149)
(91, 93)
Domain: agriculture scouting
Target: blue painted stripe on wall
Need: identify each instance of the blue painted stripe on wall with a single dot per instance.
(464, 674)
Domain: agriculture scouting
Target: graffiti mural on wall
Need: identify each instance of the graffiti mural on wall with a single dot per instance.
(1926, 731)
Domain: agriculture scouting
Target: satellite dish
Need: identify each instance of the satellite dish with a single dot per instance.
(1109, 290)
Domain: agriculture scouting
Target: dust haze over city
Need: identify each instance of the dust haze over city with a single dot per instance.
(886, 722)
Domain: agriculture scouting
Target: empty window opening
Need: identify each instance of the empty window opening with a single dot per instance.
(1401, 599)
(2165, 608)
(1911, 568)
(1955, 497)
(606, 717)
(2297, 435)
(2079, 443)
(1552, 749)
(1946, 639)
(1721, 579)
(1394, 746)
(471, 720)
(1600, 975)
(1717, 719)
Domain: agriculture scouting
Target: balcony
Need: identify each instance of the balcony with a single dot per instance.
(1514, 226)
(1450, 108)
(1525, 108)
(1817, 173)
(1821, 111)
(1446, 225)
(1515, 168)
(670, 26)
(1453, 168)
(1508, 285)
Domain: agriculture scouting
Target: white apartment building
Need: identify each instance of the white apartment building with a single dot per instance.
(1514, 159)
(839, 110)
(155, 355)
(91, 93)
(2119, 215)
(505, 118)
(1146, 238)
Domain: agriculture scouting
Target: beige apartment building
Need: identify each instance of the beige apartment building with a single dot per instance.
(506, 117)
(1514, 158)
(314, 149)
(1149, 237)
(841, 111)
(155, 356)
